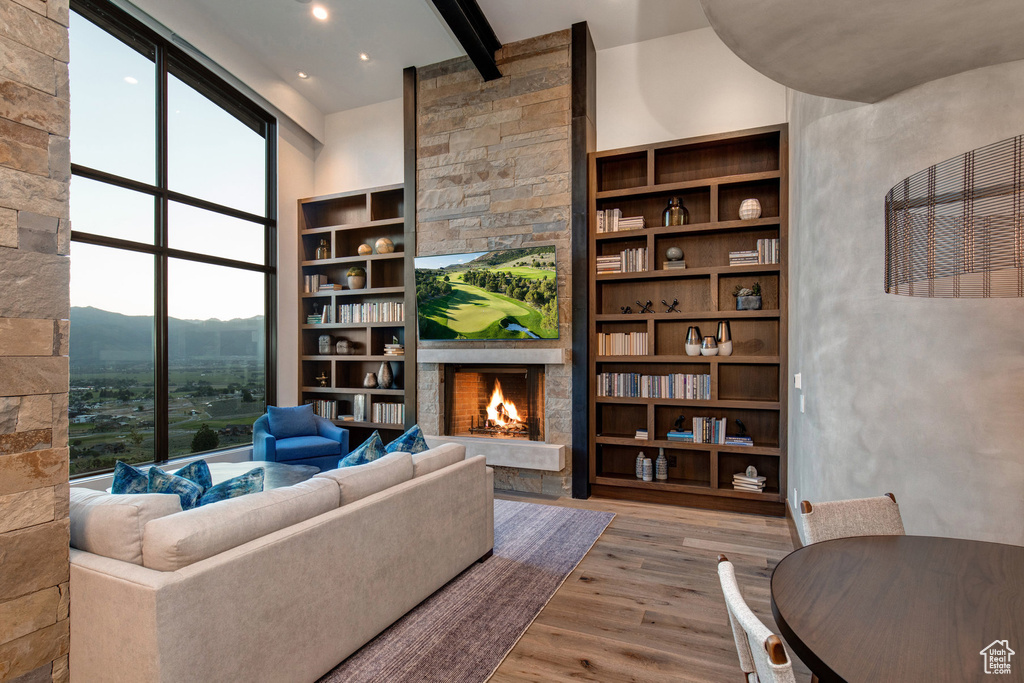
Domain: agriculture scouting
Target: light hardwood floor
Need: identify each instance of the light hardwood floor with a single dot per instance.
(645, 603)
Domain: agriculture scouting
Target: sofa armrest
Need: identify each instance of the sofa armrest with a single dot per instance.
(264, 447)
(329, 430)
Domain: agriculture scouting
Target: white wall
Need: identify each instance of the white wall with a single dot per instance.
(295, 158)
(680, 86)
(362, 148)
(921, 397)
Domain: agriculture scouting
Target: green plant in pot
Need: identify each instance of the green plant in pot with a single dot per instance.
(356, 277)
(748, 298)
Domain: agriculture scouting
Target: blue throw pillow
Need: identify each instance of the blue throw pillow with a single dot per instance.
(288, 422)
(410, 442)
(250, 482)
(370, 450)
(128, 479)
(197, 472)
(188, 491)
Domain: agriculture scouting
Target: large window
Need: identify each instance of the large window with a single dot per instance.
(172, 255)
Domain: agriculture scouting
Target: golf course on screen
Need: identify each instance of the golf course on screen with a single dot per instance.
(503, 294)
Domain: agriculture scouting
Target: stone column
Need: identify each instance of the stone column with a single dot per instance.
(35, 174)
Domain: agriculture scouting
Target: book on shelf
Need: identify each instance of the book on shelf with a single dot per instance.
(636, 385)
(767, 252)
(674, 265)
(739, 441)
(677, 435)
(611, 220)
(628, 261)
(748, 487)
(622, 344)
(641, 434)
(389, 413)
(377, 312)
(741, 482)
(709, 430)
(326, 408)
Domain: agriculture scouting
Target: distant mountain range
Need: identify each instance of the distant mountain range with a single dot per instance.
(102, 338)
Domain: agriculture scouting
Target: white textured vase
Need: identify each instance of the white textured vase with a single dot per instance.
(750, 209)
(693, 349)
(725, 348)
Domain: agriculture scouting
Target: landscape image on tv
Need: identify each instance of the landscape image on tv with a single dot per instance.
(502, 294)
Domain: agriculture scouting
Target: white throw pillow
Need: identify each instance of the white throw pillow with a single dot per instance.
(113, 525)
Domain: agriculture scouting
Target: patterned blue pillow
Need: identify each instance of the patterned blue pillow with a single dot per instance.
(128, 479)
(197, 472)
(410, 442)
(370, 450)
(188, 491)
(250, 482)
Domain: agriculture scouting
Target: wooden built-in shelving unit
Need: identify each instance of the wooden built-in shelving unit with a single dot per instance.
(712, 175)
(346, 221)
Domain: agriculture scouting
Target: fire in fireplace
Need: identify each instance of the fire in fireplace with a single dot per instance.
(503, 402)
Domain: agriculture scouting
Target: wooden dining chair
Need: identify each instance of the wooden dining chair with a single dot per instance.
(763, 657)
(844, 518)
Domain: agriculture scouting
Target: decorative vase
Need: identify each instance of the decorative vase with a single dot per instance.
(356, 281)
(370, 381)
(661, 466)
(724, 338)
(693, 339)
(674, 254)
(384, 375)
(365, 249)
(675, 213)
(709, 347)
(750, 209)
(343, 347)
(640, 465)
(359, 407)
(324, 343)
(751, 471)
(648, 470)
(748, 303)
(384, 246)
(323, 251)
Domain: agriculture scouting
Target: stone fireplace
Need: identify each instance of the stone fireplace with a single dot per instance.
(494, 401)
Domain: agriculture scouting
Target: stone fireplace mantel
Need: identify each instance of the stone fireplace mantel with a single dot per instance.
(495, 356)
(529, 455)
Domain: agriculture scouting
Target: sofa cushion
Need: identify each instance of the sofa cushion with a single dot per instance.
(410, 442)
(112, 525)
(128, 479)
(370, 450)
(173, 542)
(197, 472)
(436, 458)
(302, 447)
(288, 422)
(162, 482)
(360, 481)
(243, 484)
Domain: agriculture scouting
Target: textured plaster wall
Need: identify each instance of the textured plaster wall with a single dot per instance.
(920, 397)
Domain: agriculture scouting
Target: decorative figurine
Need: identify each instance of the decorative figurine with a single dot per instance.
(742, 429)
(674, 254)
(751, 472)
(323, 379)
(672, 307)
(750, 209)
(626, 310)
(679, 423)
(645, 308)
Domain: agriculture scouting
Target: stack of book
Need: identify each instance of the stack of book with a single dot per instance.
(611, 220)
(394, 349)
(679, 435)
(325, 408)
(641, 434)
(739, 441)
(675, 265)
(609, 264)
(767, 252)
(311, 284)
(636, 385)
(741, 482)
(627, 261)
(324, 317)
(622, 344)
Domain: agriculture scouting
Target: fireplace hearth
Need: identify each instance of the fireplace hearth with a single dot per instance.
(494, 401)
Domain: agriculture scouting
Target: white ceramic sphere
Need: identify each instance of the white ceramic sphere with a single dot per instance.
(750, 209)
(674, 253)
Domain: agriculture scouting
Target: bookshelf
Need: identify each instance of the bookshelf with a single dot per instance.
(345, 221)
(712, 175)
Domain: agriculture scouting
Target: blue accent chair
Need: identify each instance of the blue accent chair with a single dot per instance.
(323, 450)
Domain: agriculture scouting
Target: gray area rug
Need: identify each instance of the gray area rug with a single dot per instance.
(463, 631)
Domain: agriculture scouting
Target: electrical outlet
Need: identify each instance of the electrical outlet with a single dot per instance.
(798, 381)
(671, 461)
(796, 498)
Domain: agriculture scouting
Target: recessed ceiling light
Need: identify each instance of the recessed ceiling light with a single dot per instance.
(364, 57)
(131, 80)
(303, 74)
(320, 12)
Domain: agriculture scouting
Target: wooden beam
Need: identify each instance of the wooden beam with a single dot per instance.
(474, 32)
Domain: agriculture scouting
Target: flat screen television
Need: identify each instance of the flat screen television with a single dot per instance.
(500, 294)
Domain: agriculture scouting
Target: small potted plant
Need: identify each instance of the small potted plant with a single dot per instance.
(748, 298)
(356, 277)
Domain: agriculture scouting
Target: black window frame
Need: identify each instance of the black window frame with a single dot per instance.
(169, 59)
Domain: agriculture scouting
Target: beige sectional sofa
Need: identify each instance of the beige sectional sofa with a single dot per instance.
(274, 586)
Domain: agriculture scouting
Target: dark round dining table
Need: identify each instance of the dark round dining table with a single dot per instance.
(903, 608)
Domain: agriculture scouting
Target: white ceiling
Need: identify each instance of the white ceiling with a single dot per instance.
(285, 38)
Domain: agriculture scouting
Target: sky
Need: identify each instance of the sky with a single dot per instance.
(212, 156)
(429, 262)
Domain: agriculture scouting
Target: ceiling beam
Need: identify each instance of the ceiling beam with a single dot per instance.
(467, 21)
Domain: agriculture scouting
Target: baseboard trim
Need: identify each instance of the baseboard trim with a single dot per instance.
(794, 534)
